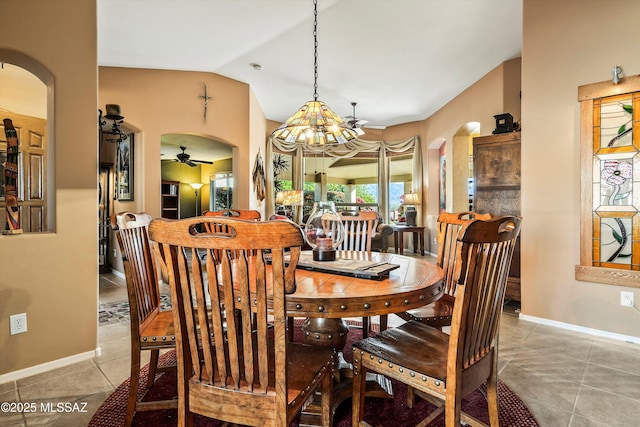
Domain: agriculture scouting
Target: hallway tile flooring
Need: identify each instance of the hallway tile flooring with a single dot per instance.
(565, 378)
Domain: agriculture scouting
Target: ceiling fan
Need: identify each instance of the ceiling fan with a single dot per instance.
(186, 158)
(355, 123)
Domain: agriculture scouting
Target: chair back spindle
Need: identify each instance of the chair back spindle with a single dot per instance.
(137, 258)
(359, 229)
(449, 225)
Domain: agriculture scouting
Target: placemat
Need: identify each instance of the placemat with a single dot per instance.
(358, 268)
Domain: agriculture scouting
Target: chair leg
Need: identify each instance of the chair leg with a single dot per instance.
(452, 411)
(153, 367)
(359, 383)
(411, 396)
(365, 327)
(327, 401)
(383, 322)
(134, 381)
(492, 400)
(290, 326)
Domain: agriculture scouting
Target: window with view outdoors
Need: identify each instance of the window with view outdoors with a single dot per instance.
(221, 192)
(400, 179)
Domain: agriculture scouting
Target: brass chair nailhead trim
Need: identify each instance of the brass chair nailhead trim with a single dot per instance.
(387, 304)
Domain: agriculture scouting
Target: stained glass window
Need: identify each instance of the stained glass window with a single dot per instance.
(616, 182)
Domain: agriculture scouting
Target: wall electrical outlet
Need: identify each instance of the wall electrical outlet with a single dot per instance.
(626, 299)
(18, 323)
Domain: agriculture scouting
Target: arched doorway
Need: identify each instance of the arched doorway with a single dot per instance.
(26, 98)
(207, 159)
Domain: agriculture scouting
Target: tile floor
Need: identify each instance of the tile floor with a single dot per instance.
(565, 378)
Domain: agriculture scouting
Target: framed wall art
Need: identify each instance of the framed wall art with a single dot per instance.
(124, 170)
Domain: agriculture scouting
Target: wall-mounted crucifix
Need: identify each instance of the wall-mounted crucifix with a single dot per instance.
(205, 98)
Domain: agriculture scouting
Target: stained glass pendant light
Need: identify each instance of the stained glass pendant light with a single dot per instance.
(315, 123)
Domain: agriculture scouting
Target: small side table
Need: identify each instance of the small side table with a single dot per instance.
(418, 238)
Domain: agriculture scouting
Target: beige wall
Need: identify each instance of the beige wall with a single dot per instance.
(157, 102)
(257, 142)
(491, 95)
(53, 276)
(566, 44)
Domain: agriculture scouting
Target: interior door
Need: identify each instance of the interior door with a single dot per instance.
(32, 171)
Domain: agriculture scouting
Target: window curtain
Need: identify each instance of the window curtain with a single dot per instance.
(343, 151)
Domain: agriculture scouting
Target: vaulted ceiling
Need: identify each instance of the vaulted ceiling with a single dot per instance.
(400, 60)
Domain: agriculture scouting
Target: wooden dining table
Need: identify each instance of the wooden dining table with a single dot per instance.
(326, 297)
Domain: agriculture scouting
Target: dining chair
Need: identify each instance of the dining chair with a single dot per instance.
(236, 365)
(438, 314)
(444, 368)
(359, 228)
(151, 328)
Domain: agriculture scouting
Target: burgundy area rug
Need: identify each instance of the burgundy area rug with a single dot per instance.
(379, 412)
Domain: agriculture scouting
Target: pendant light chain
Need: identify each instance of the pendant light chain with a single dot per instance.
(315, 50)
(314, 122)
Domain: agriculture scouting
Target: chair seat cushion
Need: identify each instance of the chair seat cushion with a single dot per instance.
(158, 330)
(436, 314)
(412, 345)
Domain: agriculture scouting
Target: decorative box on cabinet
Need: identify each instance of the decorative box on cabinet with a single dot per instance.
(496, 173)
(170, 193)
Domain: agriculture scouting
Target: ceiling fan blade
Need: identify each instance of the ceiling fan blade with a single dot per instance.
(190, 163)
(203, 161)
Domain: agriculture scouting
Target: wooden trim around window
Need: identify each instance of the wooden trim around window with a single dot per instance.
(586, 271)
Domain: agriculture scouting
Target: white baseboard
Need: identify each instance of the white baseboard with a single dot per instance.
(575, 328)
(118, 273)
(45, 367)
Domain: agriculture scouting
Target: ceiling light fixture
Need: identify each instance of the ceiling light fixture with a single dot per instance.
(315, 123)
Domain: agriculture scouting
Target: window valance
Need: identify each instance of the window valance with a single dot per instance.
(342, 151)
